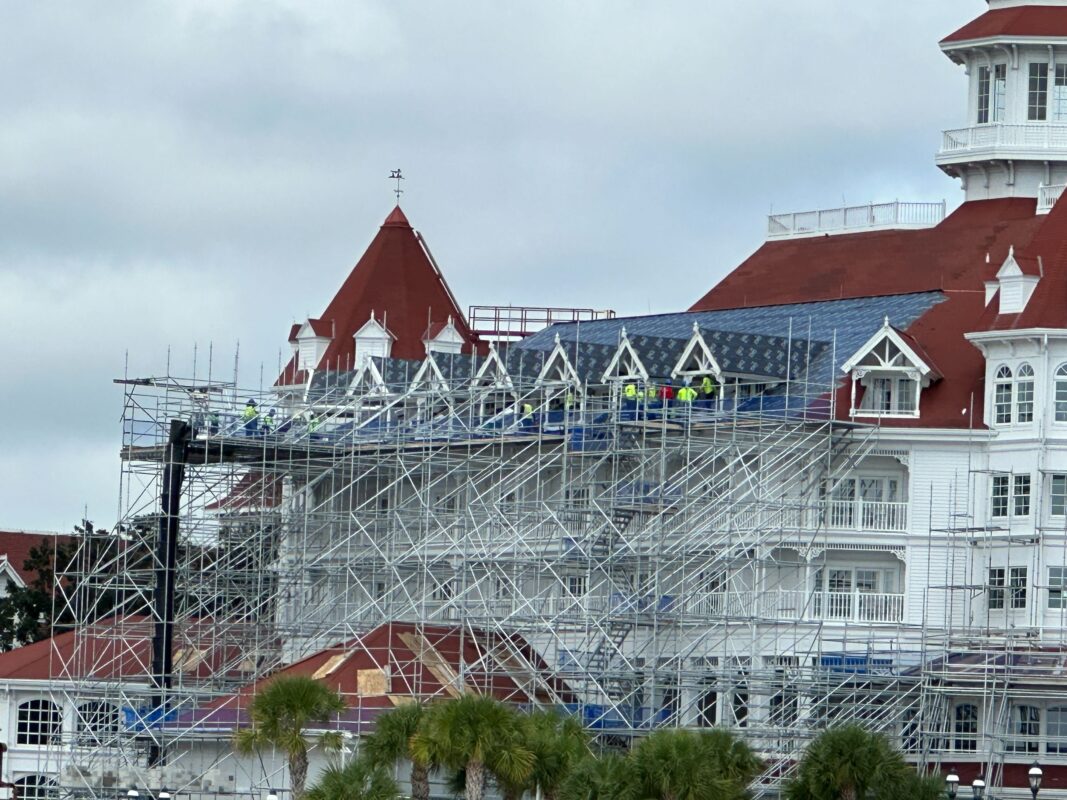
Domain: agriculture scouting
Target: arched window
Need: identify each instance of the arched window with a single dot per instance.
(1002, 396)
(35, 787)
(1024, 394)
(39, 722)
(96, 722)
(965, 727)
(1061, 393)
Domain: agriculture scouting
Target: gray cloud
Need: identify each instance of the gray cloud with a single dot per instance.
(174, 175)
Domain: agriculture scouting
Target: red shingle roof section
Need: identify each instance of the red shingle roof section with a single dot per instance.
(950, 257)
(1045, 21)
(16, 546)
(397, 283)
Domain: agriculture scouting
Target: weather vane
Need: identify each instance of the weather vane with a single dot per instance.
(397, 176)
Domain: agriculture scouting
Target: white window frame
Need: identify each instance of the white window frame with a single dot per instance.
(1024, 395)
(1003, 396)
(1059, 394)
(1057, 590)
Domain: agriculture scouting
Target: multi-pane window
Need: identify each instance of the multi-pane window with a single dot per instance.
(39, 722)
(996, 587)
(1061, 393)
(1026, 725)
(1056, 730)
(1009, 493)
(1017, 579)
(992, 88)
(577, 585)
(1020, 496)
(1059, 94)
(1024, 394)
(1037, 105)
(96, 722)
(889, 395)
(1002, 396)
(1001, 489)
(1057, 495)
(965, 727)
(1057, 582)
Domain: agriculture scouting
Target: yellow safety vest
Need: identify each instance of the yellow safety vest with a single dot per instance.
(527, 408)
(650, 393)
(249, 413)
(707, 385)
(630, 391)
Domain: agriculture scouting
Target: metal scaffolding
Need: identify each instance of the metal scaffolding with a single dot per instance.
(658, 558)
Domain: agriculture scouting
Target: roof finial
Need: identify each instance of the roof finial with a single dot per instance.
(396, 175)
(886, 321)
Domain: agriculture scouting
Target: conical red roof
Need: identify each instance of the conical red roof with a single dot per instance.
(397, 283)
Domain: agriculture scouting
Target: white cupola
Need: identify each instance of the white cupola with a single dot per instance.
(373, 340)
(1014, 140)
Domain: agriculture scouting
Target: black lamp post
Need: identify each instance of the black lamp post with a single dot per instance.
(1034, 777)
(977, 788)
(952, 783)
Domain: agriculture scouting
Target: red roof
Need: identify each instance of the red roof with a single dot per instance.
(950, 257)
(1045, 21)
(119, 648)
(397, 283)
(16, 546)
(406, 659)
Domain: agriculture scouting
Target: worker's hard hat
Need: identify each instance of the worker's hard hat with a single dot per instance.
(250, 402)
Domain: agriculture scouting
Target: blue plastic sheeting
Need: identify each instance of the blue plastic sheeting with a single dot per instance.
(857, 664)
(604, 717)
(141, 719)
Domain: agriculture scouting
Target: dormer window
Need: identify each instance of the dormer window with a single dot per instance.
(888, 375)
(373, 340)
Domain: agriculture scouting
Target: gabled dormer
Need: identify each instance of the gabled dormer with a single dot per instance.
(558, 368)
(373, 340)
(444, 337)
(1014, 284)
(696, 360)
(492, 374)
(368, 381)
(888, 375)
(625, 366)
(310, 342)
(429, 378)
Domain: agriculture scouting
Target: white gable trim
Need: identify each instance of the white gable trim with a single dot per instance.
(429, 377)
(377, 330)
(1010, 268)
(498, 378)
(615, 369)
(697, 346)
(370, 379)
(570, 375)
(887, 331)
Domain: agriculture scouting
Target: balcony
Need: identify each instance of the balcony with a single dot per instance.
(798, 605)
(1032, 141)
(865, 515)
(855, 219)
(1048, 195)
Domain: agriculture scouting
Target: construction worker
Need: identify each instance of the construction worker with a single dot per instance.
(707, 387)
(250, 418)
(213, 423)
(687, 394)
(629, 392)
(313, 421)
(568, 401)
(666, 393)
(268, 422)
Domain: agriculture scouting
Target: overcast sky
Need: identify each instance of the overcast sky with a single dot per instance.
(183, 174)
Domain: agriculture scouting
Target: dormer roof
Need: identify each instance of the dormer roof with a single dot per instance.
(372, 328)
(909, 349)
(1040, 21)
(317, 328)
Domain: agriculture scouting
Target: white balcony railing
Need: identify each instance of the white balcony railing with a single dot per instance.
(798, 605)
(1048, 195)
(865, 515)
(1036, 136)
(852, 219)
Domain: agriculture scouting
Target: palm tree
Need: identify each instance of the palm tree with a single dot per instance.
(558, 744)
(850, 763)
(391, 742)
(476, 734)
(605, 778)
(281, 712)
(683, 765)
(359, 779)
